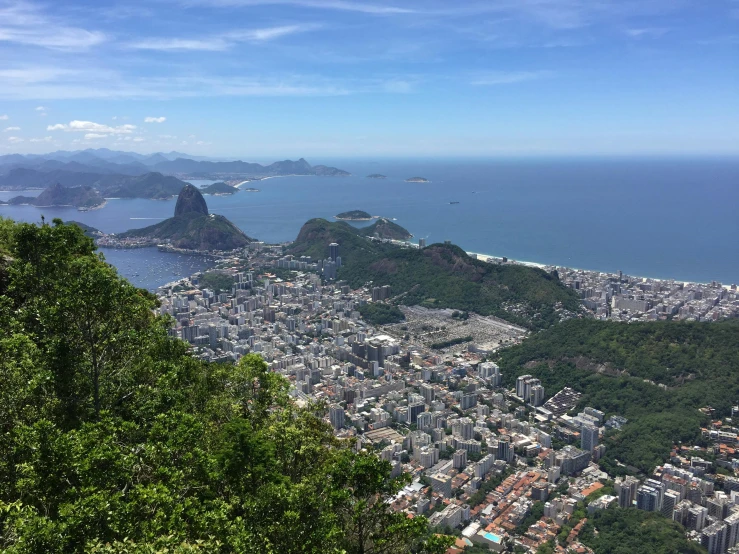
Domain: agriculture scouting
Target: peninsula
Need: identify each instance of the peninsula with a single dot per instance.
(191, 228)
(354, 215)
(82, 198)
(417, 180)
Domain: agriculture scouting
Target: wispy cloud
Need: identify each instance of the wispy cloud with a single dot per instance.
(341, 5)
(178, 44)
(42, 139)
(92, 127)
(93, 136)
(723, 40)
(221, 42)
(25, 23)
(155, 119)
(15, 140)
(647, 32)
(510, 77)
(11, 129)
(4, 117)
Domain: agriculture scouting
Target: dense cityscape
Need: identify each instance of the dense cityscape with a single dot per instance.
(500, 468)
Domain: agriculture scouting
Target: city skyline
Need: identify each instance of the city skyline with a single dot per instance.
(327, 78)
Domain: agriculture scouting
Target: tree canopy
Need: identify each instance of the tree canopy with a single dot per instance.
(115, 439)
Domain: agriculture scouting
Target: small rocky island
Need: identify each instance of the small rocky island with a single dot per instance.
(376, 176)
(417, 180)
(219, 188)
(354, 215)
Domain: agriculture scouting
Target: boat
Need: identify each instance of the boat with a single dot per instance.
(454, 202)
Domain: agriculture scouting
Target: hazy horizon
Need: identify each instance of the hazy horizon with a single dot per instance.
(332, 78)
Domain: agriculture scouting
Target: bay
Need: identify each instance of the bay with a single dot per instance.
(668, 218)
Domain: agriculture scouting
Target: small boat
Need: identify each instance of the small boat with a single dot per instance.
(454, 202)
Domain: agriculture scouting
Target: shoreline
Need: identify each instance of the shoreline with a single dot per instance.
(488, 257)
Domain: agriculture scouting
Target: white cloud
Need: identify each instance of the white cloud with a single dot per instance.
(648, 32)
(22, 22)
(341, 5)
(93, 136)
(175, 44)
(15, 140)
(44, 139)
(138, 139)
(41, 109)
(510, 77)
(9, 129)
(92, 127)
(167, 136)
(155, 119)
(221, 42)
(3, 117)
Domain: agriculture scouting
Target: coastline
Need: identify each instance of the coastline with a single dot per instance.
(489, 257)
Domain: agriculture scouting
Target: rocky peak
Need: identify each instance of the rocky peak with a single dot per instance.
(190, 201)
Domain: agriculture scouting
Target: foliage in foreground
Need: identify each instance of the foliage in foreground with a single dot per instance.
(114, 439)
(625, 531)
(656, 374)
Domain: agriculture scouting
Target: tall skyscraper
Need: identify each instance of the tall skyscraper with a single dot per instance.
(333, 251)
(588, 437)
(336, 416)
(422, 243)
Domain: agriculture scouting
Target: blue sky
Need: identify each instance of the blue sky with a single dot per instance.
(331, 78)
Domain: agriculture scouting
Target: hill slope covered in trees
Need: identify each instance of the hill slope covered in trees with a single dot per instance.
(114, 439)
(656, 374)
(441, 276)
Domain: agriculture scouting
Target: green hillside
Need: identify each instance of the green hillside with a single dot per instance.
(441, 276)
(195, 231)
(116, 440)
(385, 229)
(656, 374)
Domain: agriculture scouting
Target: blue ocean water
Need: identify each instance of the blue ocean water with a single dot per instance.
(669, 218)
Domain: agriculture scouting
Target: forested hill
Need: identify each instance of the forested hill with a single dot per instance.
(656, 374)
(442, 276)
(114, 439)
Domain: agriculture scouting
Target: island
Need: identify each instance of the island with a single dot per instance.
(354, 215)
(82, 198)
(191, 229)
(417, 180)
(219, 189)
(376, 176)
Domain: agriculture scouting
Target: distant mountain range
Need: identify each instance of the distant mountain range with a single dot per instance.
(131, 175)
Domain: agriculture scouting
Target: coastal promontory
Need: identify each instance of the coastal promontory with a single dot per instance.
(83, 198)
(192, 227)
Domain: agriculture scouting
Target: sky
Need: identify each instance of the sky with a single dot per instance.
(344, 78)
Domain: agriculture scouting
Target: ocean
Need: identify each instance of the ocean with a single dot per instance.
(665, 218)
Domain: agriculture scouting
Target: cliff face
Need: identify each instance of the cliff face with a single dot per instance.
(190, 201)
